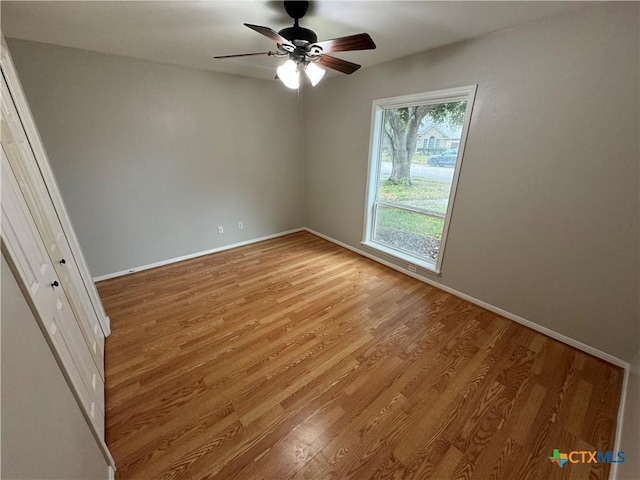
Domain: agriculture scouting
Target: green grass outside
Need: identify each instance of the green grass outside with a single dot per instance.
(421, 193)
(410, 222)
(420, 189)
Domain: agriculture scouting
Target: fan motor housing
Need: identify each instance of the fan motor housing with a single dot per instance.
(299, 33)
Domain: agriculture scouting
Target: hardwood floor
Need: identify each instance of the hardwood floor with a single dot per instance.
(294, 358)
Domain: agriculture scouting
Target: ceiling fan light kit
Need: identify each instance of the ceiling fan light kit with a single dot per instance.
(314, 73)
(303, 51)
(288, 74)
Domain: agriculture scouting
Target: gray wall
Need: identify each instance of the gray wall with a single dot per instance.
(545, 223)
(151, 158)
(44, 435)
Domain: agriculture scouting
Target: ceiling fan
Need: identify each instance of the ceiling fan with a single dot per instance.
(303, 51)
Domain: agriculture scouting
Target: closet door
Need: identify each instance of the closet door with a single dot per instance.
(25, 248)
(24, 165)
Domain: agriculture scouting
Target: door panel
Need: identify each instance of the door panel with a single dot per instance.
(25, 168)
(29, 256)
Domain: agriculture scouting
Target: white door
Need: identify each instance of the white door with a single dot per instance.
(20, 156)
(33, 264)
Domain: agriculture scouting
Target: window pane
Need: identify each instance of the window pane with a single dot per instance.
(419, 155)
(412, 232)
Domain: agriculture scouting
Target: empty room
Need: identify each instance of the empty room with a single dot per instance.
(317, 240)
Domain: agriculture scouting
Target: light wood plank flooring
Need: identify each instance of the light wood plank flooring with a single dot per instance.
(294, 358)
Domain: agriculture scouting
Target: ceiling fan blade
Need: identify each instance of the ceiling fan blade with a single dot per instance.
(269, 33)
(244, 55)
(338, 64)
(360, 41)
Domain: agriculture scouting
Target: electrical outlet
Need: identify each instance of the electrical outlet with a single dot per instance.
(412, 268)
(220, 229)
(240, 225)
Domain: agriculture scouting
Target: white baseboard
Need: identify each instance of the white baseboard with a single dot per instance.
(112, 473)
(192, 255)
(523, 321)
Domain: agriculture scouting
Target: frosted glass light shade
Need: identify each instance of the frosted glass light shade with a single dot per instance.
(288, 74)
(314, 73)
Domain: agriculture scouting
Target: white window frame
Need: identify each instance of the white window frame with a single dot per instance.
(468, 94)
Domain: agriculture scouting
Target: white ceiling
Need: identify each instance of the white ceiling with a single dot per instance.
(190, 33)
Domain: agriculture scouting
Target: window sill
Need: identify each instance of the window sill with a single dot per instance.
(397, 255)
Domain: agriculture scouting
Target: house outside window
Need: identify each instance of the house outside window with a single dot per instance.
(411, 188)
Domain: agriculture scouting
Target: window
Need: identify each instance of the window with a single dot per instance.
(410, 194)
